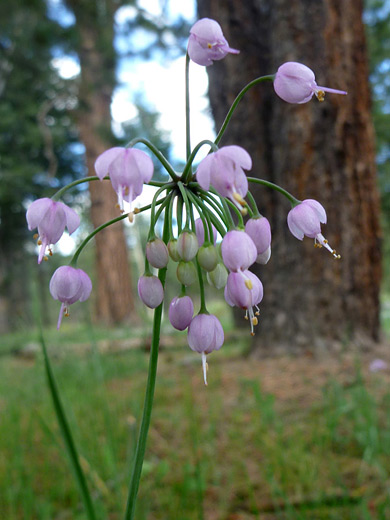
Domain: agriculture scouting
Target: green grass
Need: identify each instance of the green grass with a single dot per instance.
(245, 447)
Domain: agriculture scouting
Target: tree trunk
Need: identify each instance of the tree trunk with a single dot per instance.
(115, 301)
(316, 150)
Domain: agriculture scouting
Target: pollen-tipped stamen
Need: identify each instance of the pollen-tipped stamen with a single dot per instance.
(320, 241)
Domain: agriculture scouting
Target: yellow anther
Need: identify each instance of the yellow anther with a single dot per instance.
(255, 321)
(117, 205)
(257, 313)
(252, 334)
(50, 252)
(126, 190)
(66, 314)
(246, 318)
(45, 258)
(248, 284)
(320, 95)
(136, 211)
(39, 242)
(239, 199)
(131, 217)
(244, 212)
(35, 236)
(325, 241)
(209, 46)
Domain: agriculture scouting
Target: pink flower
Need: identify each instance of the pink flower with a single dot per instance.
(128, 168)
(377, 365)
(238, 250)
(181, 311)
(205, 334)
(50, 218)
(295, 83)
(305, 219)
(157, 253)
(260, 232)
(239, 294)
(68, 285)
(150, 291)
(223, 169)
(207, 42)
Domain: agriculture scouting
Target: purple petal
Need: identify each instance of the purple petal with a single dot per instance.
(71, 217)
(53, 223)
(36, 212)
(237, 155)
(317, 208)
(86, 286)
(203, 173)
(103, 162)
(65, 284)
(207, 29)
(144, 164)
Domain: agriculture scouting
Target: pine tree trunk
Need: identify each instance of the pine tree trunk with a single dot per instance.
(115, 301)
(316, 150)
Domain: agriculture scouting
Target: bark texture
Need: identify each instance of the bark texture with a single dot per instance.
(317, 150)
(115, 301)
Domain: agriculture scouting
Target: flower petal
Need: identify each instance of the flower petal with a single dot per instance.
(203, 172)
(71, 217)
(103, 162)
(36, 211)
(237, 154)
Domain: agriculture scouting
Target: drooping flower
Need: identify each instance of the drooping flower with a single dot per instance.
(238, 250)
(68, 285)
(295, 83)
(224, 170)
(237, 293)
(377, 365)
(187, 245)
(50, 218)
(157, 253)
(259, 230)
(305, 219)
(181, 311)
(199, 230)
(150, 291)
(205, 334)
(207, 42)
(207, 257)
(128, 168)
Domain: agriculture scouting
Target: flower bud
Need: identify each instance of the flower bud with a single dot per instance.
(172, 249)
(218, 277)
(260, 232)
(186, 273)
(157, 253)
(207, 257)
(238, 250)
(187, 245)
(181, 311)
(150, 291)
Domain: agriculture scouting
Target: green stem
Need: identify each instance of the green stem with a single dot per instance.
(187, 167)
(163, 160)
(253, 205)
(186, 203)
(76, 255)
(179, 214)
(294, 201)
(225, 207)
(149, 394)
(237, 100)
(202, 214)
(153, 218)
(187, 87)
(238, 213)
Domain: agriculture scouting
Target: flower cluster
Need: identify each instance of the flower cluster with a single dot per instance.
(197, 209)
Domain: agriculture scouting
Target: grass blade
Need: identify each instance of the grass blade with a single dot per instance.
(67, 435)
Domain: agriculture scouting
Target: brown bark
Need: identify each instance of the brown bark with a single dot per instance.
(317, 150)
(115, 301)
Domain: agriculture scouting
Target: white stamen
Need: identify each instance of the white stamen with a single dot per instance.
(205, 367)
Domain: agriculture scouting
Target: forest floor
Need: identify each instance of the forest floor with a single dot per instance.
(285, 438)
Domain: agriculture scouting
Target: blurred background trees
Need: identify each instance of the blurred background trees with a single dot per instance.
(321, 151)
